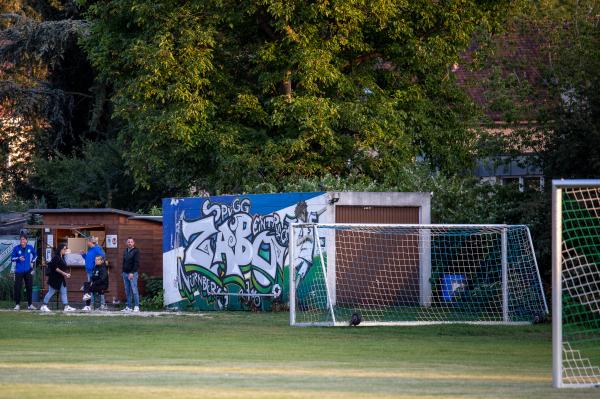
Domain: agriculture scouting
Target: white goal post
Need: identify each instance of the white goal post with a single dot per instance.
(575, 283)
(413, 274)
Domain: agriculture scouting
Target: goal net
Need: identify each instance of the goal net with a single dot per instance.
(413, 274)
(576, 283)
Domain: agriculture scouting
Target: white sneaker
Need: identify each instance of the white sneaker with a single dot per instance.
(126, 310)
(86, 309)
(44, 308)
(17, 307)
(136, 309)
(103, 307)
(86, 297)
(69, 309)
(31, 307)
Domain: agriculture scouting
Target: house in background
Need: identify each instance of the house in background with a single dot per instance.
(519, 171)
(518, 52)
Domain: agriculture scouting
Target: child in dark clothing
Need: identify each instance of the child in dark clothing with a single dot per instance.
(98, 283)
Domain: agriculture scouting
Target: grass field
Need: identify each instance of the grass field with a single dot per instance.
(257, 355)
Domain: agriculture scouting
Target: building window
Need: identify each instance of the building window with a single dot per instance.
(524, 183)
(512, 181)
(533, 183)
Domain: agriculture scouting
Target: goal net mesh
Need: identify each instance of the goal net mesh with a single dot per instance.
(414, 274)
(580, 286)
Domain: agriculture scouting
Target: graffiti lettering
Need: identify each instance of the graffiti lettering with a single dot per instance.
(229, 246)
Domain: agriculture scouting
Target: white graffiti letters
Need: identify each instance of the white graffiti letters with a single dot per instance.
(270, 256)
(229, 245)
(199, 250)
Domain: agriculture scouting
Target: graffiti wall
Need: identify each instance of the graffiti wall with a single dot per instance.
(231, 252)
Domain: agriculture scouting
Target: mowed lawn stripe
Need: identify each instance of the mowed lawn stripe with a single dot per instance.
(289, 372)
(23, 391)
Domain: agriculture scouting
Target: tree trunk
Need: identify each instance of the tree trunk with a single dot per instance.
(287, 85)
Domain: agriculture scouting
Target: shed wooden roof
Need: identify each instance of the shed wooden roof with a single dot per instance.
(83, 210)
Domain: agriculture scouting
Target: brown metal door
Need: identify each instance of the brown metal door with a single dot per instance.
(377, 214)
(377, 270)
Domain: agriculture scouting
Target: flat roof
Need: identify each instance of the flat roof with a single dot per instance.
(83, 210)
(157, 219)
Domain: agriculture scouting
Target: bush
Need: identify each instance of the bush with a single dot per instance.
(155, 302)
(455, 199)
(154, 294)
(6, 287)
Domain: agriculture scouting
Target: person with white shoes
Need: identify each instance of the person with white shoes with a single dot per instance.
(131, 264)
(24, 256)
(30, 307)
(98, 283)
(56, 279)
(93, 251)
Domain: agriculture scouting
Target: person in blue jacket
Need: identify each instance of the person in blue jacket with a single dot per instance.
(94, 250)
(24, 256)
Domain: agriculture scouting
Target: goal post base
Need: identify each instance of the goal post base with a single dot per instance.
(413, 323)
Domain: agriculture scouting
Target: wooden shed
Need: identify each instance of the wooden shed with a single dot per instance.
(112, 227)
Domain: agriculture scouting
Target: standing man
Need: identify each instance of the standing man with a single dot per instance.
(90, 261)
(131, 264)
(24, 256)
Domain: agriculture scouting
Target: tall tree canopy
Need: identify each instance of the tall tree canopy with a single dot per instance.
(56, 137)
(44, 86)
(571, 145)
(223, 94)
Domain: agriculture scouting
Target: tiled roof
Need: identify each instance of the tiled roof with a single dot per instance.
(518, 52)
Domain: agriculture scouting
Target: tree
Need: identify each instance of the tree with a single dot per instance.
(95, 179)
(572, 127)
(55, 117)
(227, 94)
(551, 95)
(44, 87)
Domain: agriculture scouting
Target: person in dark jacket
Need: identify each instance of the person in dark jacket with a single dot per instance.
(24, 256)
(98, 282)
(131, 264)
(56, 279)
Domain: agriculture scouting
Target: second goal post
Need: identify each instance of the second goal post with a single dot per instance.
(413, 274)
(576, 283)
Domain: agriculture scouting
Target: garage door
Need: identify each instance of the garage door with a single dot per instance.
(376, 269)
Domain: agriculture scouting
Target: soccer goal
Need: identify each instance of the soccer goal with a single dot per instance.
(371, 274)
(576, 283)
